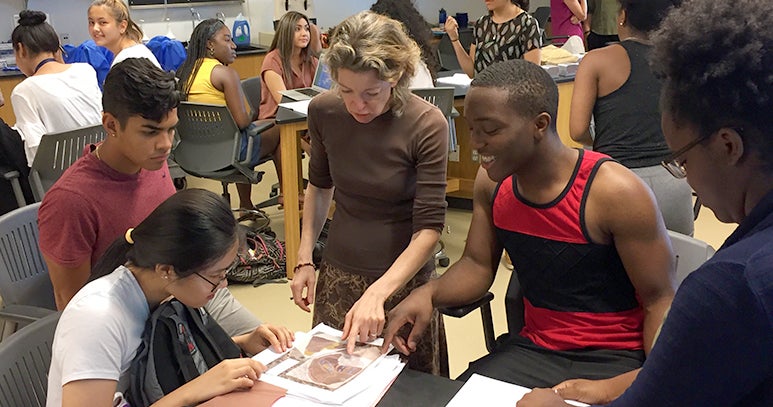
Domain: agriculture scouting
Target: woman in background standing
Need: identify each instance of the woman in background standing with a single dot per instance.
(615, 85)
(566, 17)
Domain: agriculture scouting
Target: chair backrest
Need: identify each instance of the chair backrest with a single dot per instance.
(23, 273)
(209, 138)
(56, 152)
(446, 53)
(251, 89)
(442, 97)
(690, 254)
(25, 358)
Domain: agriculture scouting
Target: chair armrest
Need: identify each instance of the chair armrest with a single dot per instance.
(264, 124)
(9, 173)
(463, 310)
(24, 313)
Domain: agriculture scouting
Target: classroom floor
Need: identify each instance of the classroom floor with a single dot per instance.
(272, 304)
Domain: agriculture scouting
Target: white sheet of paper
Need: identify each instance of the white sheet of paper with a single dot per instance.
(496, 393)
(301, 106)
(458, 79)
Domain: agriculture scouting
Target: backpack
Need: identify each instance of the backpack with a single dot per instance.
(264, 261)
(179, 344)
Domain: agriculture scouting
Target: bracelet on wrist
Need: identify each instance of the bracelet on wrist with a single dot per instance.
(456, 40)
(302, 265)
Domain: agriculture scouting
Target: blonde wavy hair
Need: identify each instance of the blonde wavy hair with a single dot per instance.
(369, 41)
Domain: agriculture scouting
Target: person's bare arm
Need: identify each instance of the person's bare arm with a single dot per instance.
(579, 8)
(583, 99)
(315, 40)
(226, 79)
(533, 56)
(465, 59)
(465, 281)
(625, 209)
(90, 392)
(275, 84)
(2, 99)
(225, 377)
(66, 280)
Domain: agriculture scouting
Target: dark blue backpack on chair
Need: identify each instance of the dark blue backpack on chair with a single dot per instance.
(179, 344)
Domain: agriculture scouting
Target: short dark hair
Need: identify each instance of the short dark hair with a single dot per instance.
(719, 77)
(35, 33)
(530, 89)
(646, 15)
(134, 87)
(190, 231)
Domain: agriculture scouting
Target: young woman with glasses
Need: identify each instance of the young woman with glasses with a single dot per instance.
(183, 249)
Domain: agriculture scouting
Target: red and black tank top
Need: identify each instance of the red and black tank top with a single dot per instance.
(576, 292)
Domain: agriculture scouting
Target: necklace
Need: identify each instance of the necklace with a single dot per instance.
(41, 63)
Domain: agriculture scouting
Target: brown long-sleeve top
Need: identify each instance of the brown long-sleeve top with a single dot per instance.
(389, 177)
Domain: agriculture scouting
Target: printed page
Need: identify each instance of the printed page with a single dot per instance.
(496, 393)
(318, 367)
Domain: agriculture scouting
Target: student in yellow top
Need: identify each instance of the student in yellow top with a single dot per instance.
(205, 77)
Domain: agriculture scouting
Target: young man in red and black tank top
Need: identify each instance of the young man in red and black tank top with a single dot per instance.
(585, 235)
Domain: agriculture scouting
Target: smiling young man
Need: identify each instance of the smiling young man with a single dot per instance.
(117, 184)
(584, 233)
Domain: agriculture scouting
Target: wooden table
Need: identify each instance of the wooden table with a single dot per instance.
(291, 124)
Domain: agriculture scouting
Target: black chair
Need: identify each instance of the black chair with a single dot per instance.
(446, 53)
(542, 15)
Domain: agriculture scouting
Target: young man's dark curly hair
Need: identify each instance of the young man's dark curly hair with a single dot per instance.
(135, 86)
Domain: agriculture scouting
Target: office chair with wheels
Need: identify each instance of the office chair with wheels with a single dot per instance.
(209, 146)
(25, 358)
(690, 253)
(25, 287)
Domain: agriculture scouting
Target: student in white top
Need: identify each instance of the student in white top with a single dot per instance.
(183, 249)
(55, 96)
(110, 26)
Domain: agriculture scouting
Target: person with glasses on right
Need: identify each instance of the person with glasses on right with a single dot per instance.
(715, 347)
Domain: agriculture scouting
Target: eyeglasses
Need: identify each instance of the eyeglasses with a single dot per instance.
(220, 281)
(677, 168)
(214, 285)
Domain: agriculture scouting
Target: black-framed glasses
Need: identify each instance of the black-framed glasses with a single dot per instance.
(677, 168)
(220, 281)
(214, 285)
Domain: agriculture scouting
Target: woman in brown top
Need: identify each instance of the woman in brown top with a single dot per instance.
(381, 152)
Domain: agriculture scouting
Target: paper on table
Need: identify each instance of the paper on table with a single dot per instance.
(458, 79)
(314, 379)
(301, 106)
(496, 393)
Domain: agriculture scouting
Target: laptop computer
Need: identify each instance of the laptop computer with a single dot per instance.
(322, 82)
